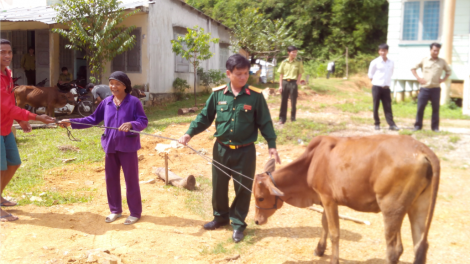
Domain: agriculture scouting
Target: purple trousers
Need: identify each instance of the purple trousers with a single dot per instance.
(129, 163)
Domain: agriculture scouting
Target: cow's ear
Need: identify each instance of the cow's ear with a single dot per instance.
(270, 165)
(275, 191)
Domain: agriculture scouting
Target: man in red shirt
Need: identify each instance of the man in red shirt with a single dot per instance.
(10, 157)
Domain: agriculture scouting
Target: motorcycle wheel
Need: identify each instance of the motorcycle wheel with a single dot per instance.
(85, 108)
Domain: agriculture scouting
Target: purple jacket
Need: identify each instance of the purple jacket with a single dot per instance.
(112, 140)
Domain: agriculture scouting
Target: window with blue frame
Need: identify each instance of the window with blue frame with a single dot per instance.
(411, 21)
(421, 20)
(431, 20)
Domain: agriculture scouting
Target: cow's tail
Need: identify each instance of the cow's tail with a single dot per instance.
(420, 255)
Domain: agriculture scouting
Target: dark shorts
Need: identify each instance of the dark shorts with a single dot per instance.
(10, 155)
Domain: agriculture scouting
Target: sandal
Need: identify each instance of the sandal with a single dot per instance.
(112, 217)
(6, 205)
(131, 220)
(5, 218)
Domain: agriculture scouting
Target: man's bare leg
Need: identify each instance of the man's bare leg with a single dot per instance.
(6, 176)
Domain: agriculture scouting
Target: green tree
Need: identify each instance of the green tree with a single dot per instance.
(194, 47)
(94, 27)
(324, 27)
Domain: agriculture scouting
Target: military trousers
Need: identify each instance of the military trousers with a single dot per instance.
(242, 160)
(289, 88)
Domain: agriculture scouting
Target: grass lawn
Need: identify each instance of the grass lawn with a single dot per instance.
(40, 153)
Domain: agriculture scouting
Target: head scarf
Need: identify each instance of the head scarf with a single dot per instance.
(122, 77)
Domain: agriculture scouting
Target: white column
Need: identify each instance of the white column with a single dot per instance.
(447, 44)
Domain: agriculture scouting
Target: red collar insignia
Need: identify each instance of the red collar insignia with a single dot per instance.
(247, 91)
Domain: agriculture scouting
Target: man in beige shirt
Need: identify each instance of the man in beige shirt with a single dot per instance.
(432, 68)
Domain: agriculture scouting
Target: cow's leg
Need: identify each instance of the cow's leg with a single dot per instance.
(331, 211)
(320, 250)
(393, 219)
(417, 214)
(50, 111)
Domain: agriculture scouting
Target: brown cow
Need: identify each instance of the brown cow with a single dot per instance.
(49, 97)
(395, 175)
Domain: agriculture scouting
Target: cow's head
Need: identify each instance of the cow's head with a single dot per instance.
(67, 98)
(267, 195)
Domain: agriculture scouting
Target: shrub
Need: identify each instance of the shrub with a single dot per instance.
(179, 87)
(211, 78)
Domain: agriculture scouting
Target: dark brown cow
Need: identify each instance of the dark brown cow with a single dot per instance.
(49, 97)
(395, 175)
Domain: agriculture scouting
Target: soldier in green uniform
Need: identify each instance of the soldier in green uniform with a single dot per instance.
(290, 71)
(239, 111)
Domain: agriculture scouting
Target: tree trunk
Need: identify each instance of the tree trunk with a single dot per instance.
(195, 81)
(188, 183)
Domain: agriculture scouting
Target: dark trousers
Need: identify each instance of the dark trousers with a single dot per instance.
(382, 94)
(425, 95)
(242, 160)
(30, 77)
(288, 89)
(129, 163)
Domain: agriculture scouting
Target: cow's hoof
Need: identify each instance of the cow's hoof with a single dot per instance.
(319, 252)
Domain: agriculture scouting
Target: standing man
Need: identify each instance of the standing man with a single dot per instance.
(330, 68)
(380, 73)
(10, 157)
(28, 63)
(241, 110)
(290, 71)
(430, 90)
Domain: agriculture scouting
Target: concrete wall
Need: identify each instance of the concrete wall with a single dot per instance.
(139, 20)
(405, 55)
(163, 16)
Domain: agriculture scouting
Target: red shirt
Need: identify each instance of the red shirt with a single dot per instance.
(9, 111)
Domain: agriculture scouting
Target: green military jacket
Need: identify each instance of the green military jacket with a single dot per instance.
(237, 118)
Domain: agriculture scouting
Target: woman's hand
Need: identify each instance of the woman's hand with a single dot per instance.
(125, 127)
(64, 123)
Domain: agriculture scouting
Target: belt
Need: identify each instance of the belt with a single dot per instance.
(233, 146)
(290, 80)
(383, 87)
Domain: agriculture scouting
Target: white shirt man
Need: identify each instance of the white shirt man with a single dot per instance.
(380, 73)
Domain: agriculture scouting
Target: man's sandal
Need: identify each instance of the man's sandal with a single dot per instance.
(112, 217)
(7, 203)
(131, 220)
(5, 218)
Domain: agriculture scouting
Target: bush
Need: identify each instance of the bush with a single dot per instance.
(179, 87)
(211, 78)
(359, 64)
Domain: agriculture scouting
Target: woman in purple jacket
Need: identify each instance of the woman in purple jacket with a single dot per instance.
(126, 113)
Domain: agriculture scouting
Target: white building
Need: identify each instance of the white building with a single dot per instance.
(151, 63)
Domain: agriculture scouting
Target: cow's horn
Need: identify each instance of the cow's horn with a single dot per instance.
(270, 165)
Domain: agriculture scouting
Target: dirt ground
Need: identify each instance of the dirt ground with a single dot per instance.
(169, 232)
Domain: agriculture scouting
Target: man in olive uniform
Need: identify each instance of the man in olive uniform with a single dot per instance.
(28, 63)
(65, 76)
(291, 71)
(241, 110)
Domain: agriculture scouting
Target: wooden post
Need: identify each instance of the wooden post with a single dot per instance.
(347, 64)
(447, 45)
(166, 168)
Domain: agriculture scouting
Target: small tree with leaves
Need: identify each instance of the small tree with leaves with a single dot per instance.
(94, 27)
(194, 47)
